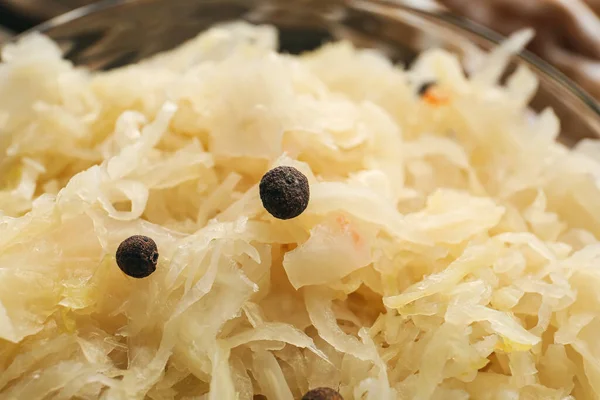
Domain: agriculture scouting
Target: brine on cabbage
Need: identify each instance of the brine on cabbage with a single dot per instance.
(449, 249)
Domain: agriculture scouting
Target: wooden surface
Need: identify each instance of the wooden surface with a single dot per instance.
(43, 9)
(4, 34)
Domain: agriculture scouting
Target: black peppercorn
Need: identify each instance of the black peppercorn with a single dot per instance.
(322, 393)
(425, 87)
(284, 192)
(137, 256)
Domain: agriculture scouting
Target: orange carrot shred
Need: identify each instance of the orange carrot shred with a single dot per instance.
(347, 227)
(435, 99)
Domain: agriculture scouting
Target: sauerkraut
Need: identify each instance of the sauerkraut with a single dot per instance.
(449, 249)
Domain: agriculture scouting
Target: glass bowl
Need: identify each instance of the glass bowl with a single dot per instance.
(114, 33)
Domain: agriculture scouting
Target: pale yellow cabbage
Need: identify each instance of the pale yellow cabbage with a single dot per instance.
(449, 250)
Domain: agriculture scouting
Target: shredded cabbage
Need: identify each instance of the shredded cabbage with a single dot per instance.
(449, 249)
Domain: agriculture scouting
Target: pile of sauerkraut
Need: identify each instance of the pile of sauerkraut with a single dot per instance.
(449, 249)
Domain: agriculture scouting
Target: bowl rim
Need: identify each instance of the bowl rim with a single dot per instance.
(444, 16)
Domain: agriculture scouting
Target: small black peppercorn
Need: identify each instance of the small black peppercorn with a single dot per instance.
(425, 87)
(284, 192)
(322, 393)
(137, 256)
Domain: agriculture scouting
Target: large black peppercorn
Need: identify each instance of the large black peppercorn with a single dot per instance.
(137, 256)
(284, 192)
(322, 393)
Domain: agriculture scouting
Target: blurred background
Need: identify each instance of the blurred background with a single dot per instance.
(568, 31)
